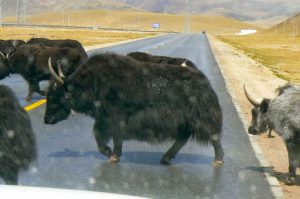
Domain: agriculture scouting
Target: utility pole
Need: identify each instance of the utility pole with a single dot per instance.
(108, 11)
(21, 11)
(187, 28)
(1, 16)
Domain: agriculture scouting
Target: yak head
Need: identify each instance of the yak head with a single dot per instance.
(4, 66)
(57, 107)
(259, 112)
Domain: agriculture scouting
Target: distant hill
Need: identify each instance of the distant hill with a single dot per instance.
(139, 20)
(265, 13)
(39, 6)
(290, 27)
(250, 10)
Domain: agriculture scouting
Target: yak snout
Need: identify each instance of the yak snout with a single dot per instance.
(252, 130)
(49, 120)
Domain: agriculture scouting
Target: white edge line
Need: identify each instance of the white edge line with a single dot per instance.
(273, 182)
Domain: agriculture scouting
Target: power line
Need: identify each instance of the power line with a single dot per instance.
(1, 15)
(21, 11)
(108, 9)
(187, 27)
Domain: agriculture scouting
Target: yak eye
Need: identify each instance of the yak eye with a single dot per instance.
(254, 112)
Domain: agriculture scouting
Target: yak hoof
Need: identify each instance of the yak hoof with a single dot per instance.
(217, 163)
(290, 180)
(28, 98)
(113, 159)
(165, 161)
(42, 93)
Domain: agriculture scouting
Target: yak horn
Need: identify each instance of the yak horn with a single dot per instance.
(60, 73)
(254, 102)
(14, 43)
(1, 53)
(53, 73)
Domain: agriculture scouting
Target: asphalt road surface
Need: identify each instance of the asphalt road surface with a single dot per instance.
(68, 157)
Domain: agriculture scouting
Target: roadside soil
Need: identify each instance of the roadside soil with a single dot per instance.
(238, 69)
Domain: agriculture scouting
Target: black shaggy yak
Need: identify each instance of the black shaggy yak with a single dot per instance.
(17, 141)
(139, 100)
(8, 47)
(61, 43)
(31, 62)
(146, 57)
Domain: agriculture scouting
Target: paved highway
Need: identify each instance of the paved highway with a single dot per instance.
(68, 157)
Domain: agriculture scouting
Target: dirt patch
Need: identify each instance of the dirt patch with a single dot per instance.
(238, 69)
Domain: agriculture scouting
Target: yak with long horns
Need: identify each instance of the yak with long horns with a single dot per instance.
(138, 100)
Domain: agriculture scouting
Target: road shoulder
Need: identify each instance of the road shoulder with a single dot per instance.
(238, 69)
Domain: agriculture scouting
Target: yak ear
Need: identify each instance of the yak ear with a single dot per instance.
(265, 105)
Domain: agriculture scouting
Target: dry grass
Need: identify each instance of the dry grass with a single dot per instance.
(86, 37)
(138, 20)
(279, 53)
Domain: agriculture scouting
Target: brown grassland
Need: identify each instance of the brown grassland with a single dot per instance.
(279, 53)
(134, 20)
(137, 20)
(86, 37)
(277, 48)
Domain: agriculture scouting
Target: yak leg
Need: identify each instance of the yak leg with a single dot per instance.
(270, 135)
(219, 153)
(30, 92)
(11, 178)
(102, 137)
(293, 162)
(34, 87)
(117, 150)
(179, 143)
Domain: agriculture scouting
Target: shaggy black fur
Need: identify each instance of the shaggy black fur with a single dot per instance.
(146, 57)
(139, 100)
(31, 61)
(8, 47)
(17, 141)
(61, 43)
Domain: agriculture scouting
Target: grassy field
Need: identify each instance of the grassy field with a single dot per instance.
(138, 20)
(279, 53)
(86, 37)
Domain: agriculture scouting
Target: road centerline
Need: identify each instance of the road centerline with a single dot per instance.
(35, 105)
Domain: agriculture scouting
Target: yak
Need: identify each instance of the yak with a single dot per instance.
(8, 47)
(31, 62)
(281, 114)
(17, 140)
(138, 100)
(61, 43)
(146, 57)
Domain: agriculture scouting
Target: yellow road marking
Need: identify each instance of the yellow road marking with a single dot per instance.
(34, 105)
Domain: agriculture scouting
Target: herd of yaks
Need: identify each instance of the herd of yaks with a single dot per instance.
(135, 96)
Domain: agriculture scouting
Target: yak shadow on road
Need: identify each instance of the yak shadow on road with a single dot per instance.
(281, 176)
(138, 157)
(178, 181)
